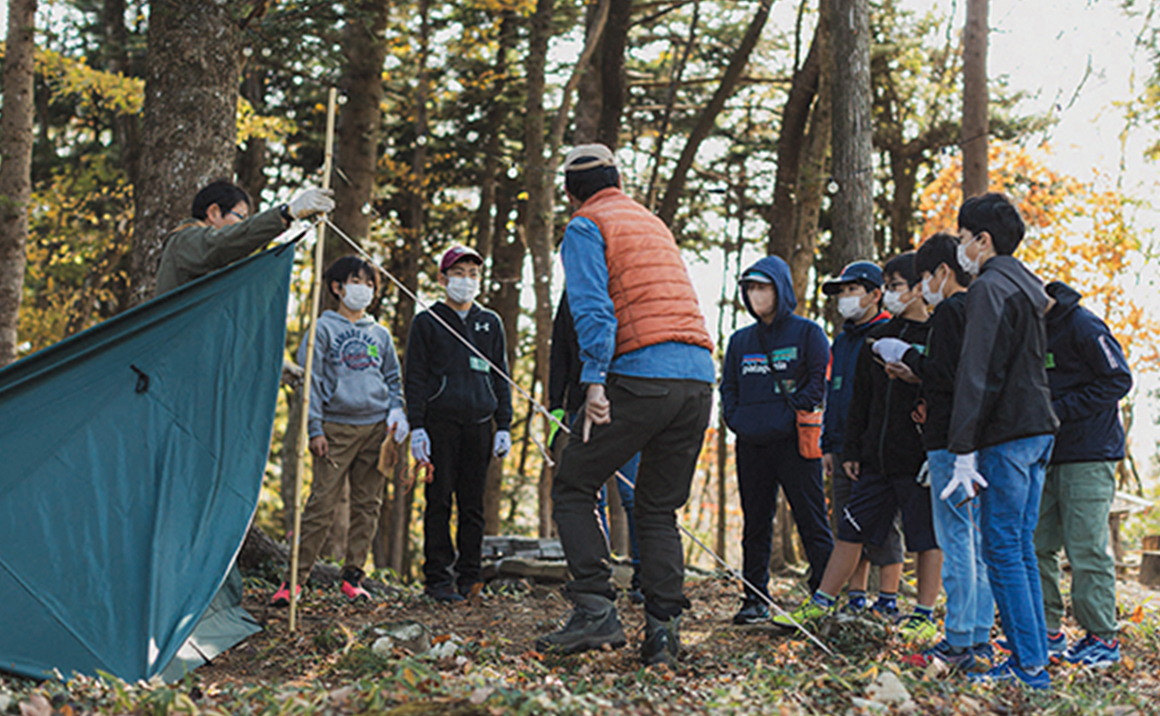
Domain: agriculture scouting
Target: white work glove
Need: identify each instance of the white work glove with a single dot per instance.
(397, 419)
(503, 443)
(965, 476)
(421, 446)
(309, 202)
(923, 478)
(890, 350)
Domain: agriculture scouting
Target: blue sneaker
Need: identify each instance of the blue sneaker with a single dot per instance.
(965, 660)
(1094, 651)
(985, 651)
(1009, 672)
(1056, 646)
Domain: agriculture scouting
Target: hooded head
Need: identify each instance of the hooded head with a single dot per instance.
(771, 269)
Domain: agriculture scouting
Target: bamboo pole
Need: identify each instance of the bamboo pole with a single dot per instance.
(303, 424)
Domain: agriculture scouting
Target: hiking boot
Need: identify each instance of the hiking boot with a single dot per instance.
(1093, 651)
(444, 594)
(1009, 672)
(662, 640)
(916, 629)
(751, 613)
(352, 585)
(594, 623)
(958, 659)
(1056, 646)
(281, 597)
(809, 610)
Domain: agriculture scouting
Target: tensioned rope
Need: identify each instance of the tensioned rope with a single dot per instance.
(539, 408)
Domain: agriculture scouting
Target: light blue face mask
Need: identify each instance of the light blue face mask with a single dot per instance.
(461, 289)
(357, 296)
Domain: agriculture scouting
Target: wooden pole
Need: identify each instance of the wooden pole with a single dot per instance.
(303, 424)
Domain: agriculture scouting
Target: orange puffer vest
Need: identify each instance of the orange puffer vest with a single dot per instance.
(647, 279)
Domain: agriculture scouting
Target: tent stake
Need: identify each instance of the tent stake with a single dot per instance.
(303, 425)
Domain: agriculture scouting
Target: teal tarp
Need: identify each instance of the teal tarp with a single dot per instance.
(131, 457)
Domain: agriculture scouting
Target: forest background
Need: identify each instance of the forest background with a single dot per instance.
(453, 120)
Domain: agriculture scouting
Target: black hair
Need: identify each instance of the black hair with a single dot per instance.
(902, 265)
(938, 249)
(348, 266)
(583, 184)
(222, 193)
(995, 214)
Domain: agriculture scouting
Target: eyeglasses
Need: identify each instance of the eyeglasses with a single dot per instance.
(242, 217)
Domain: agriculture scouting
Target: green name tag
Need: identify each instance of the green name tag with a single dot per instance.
(479, 364)
(373, 351)
(1050, 361)
(836, 383)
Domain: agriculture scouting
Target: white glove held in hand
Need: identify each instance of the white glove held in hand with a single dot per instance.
(420, 446)
(503, 443)
(923, 478)
(309, 202)
(965, 476)
(397, 419)
(890, 350)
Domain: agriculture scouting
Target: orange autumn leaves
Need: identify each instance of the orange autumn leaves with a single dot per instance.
(1077, 232)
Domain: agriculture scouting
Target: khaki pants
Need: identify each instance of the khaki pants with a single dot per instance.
(354, 450)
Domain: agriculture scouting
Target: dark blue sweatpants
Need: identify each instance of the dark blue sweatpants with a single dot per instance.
(760, 470)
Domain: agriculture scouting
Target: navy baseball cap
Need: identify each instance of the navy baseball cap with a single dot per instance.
(752, 276)
(864, 272)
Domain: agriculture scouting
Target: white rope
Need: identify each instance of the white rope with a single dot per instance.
(539, 408)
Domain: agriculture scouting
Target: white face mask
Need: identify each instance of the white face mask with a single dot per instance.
(461, 289)
(969, 265)
(357, 296)
(932, 298)
(893, 302)
(851, 307)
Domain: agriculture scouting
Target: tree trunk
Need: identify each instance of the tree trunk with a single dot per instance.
(852, 207)
(289, 456)
(252, 160)
(363, 50)
(590, 91)
(974, 141)
(708, 118)
(812, 178)
(115, 54)
(496, 114)
(15, 167)
(675, 76)
(612, 45)
(189, 120)
(790, 143)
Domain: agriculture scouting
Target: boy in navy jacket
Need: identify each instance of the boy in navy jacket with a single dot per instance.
(772, 368)
(1088, 375)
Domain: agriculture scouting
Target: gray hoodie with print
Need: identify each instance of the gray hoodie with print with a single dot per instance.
(356, 373)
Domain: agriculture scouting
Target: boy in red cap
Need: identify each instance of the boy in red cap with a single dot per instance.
(452, 397)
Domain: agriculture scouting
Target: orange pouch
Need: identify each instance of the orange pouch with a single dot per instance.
(809, 430)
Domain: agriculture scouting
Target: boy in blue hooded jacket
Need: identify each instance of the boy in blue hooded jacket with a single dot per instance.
(773, 368)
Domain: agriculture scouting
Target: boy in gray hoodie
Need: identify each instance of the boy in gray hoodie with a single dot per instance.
(356, 399)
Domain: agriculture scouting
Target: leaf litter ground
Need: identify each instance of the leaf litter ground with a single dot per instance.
(483, 662)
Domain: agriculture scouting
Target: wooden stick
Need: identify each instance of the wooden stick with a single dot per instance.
(303, 425)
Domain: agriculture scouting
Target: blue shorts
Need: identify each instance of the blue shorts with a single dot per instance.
(874, 500)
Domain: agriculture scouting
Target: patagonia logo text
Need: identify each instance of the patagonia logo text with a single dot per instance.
(755, 363)
(783, 356)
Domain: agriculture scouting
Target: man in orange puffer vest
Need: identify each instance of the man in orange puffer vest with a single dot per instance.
(648, 372)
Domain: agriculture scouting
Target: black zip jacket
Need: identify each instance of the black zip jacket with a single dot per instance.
(564, 389)
(1088, 375)
(446, 379)
(881, 435)
(1001, 390)
(936, 368)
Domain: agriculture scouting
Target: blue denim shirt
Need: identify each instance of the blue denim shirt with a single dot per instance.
(586, 272)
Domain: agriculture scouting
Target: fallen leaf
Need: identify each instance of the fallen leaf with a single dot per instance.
(37, 705)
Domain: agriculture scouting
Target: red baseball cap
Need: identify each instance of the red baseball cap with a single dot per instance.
(458, 253)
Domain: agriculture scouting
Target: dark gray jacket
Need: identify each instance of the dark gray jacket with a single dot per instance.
(1001, 389)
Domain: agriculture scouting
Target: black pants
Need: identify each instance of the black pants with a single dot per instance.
(761, 469)
(460, 453)
(665, 421)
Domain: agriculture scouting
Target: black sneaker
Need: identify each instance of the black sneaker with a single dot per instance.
(751, 613)
(444, 594)
(594, 623)
(662, 640)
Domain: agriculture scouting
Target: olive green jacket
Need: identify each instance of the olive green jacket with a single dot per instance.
(196, 248)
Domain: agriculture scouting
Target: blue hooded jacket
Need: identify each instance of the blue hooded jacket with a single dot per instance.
(772, 370)
(840, 383)
(1088, 375)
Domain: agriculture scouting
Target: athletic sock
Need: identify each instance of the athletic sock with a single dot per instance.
(856, 598)
(822, 599)
(887, 601)
(924, 612)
